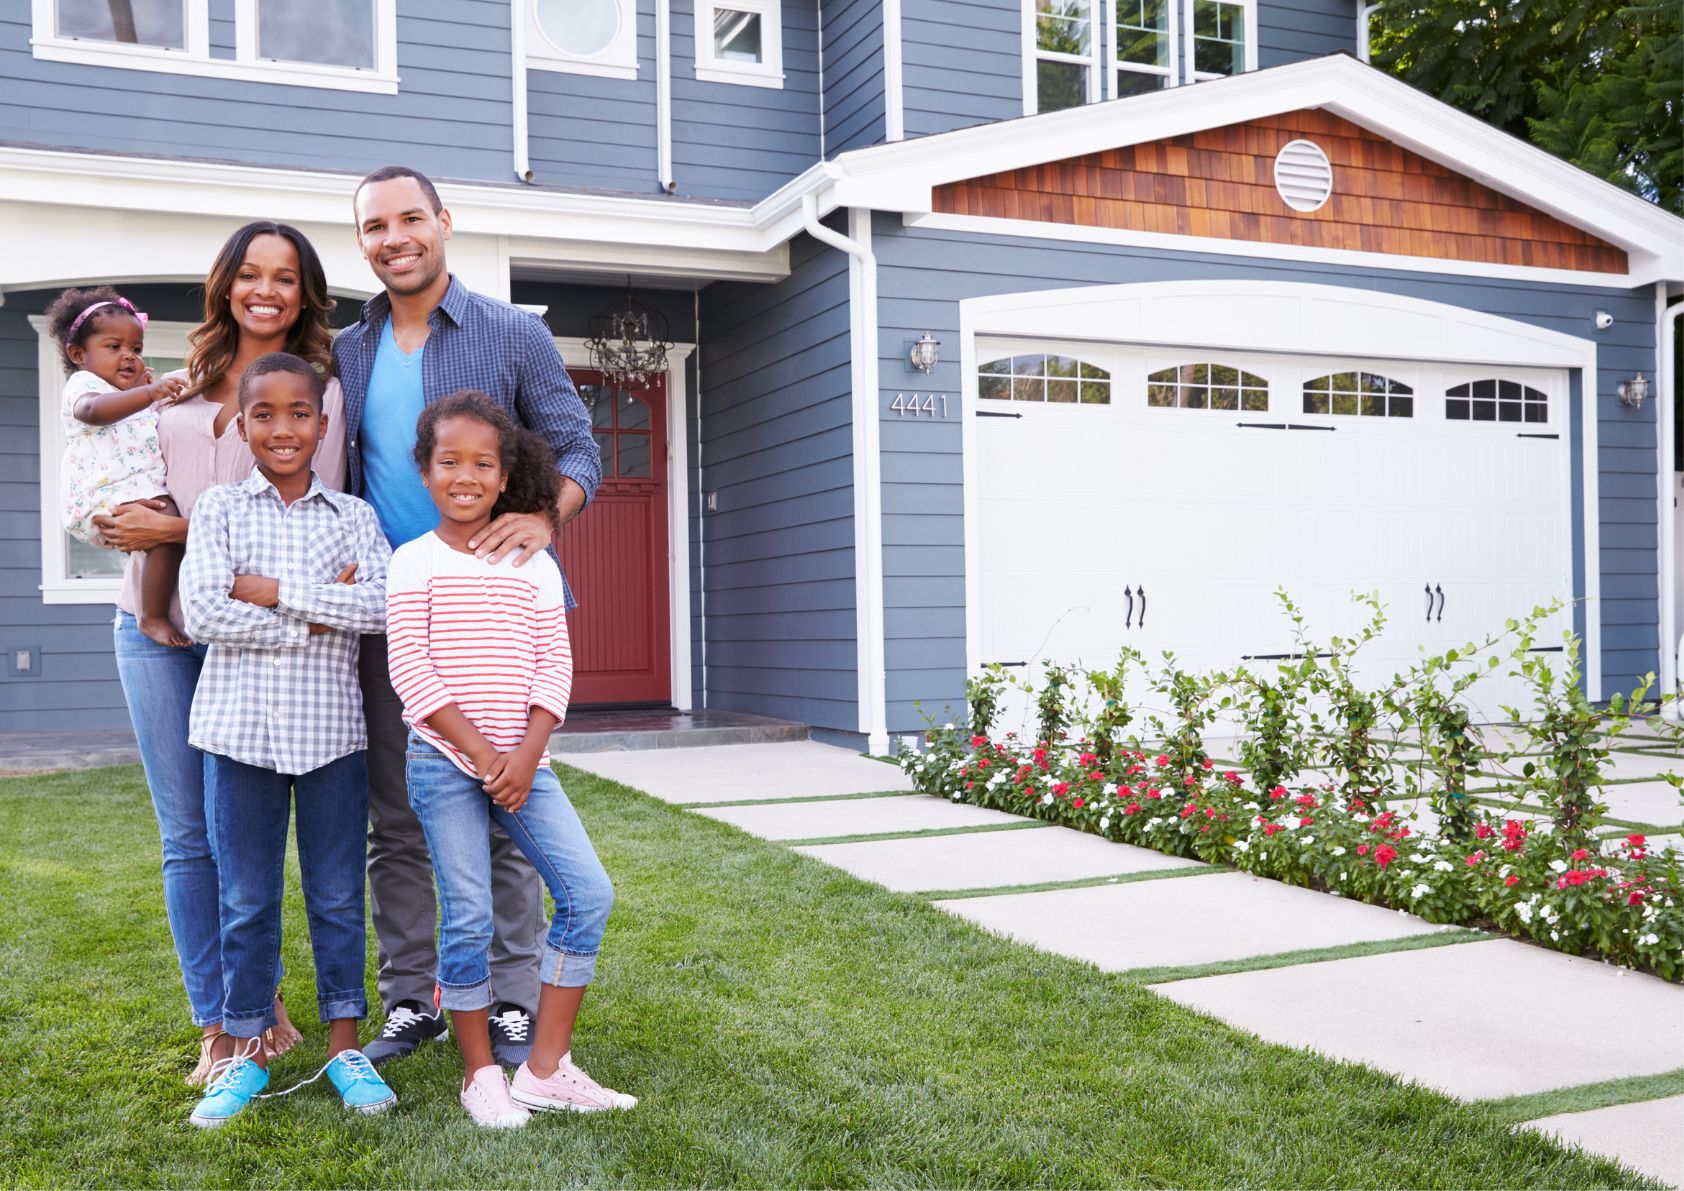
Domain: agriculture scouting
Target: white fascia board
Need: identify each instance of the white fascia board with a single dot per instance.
(902, 177)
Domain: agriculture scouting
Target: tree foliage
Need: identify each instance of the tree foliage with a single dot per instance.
(1597, 82)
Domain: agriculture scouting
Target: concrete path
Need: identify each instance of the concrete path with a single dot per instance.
(1384, 995)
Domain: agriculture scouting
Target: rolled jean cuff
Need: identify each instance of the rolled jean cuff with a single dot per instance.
(337, 1005)
(248, 1025)
(466, 997)
(566, 969)
(202, 1021)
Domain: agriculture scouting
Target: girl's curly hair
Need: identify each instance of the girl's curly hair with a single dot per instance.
(528, 463)
(64, 311)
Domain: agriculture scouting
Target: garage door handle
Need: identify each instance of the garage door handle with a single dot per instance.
(1262, 425)
(1429, 591)
(1128, 620)
(1296, 426)
(1141, 592)
(1523, 435)
(1440, 591)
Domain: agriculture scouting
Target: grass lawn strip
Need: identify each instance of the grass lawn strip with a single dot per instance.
(784, 1023)
(708, 806)
(1446, 937)
(923, 833)
(1516, 1109)
(1157, 874)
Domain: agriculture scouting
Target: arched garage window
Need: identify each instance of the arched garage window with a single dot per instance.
(1495, 401)
(1207, 386)
(1059, 379)
(1359, 394)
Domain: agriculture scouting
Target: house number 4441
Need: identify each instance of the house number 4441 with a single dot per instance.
(915, 405)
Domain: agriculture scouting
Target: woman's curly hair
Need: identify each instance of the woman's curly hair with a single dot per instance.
(529, 465)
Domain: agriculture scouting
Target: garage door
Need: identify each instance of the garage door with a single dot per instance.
(1159, 498)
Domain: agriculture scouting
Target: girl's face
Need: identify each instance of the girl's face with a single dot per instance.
(465, 473)
(267, 294)
(112, 350)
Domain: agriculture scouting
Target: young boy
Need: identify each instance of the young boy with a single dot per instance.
(281, 578)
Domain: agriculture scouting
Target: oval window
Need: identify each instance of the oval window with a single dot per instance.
(579, 27)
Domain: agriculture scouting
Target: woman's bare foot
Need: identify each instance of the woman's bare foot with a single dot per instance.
(207, 1044)
(283, 1035)
(159, 629)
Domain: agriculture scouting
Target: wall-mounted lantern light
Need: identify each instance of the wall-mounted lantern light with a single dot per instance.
(924, 354)
(1633, 391)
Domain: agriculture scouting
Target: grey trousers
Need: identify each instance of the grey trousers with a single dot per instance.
(402, 898)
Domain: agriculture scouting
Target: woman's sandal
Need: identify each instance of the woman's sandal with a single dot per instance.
(200, 1073)
(283, 1035)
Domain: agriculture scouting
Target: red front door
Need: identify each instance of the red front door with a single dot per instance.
(615, 552)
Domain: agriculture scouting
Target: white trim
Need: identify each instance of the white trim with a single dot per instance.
(1033, 54)
(616, 60)
(768, 72)
(1249, 49)
(1666, 494)
(872, 688)
(165, 339)
(663, 95)
(678, 512)
(1035, 229)
(245, 66)
(894, 88)
(1276, 317)
(518, 20)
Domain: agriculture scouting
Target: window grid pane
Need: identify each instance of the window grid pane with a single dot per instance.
(1207, 386)
(1143, 33)
(736, 36)
(1218, 37)
(1063, 27)
(1359, 394)
(1495, 400)
(160, 23)
(1062, 380)
(326, 32)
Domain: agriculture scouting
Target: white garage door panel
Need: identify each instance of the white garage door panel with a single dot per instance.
(1079, 503)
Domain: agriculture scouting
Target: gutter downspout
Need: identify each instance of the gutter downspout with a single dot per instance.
(894, 113)
(868, 494)
(663, 94)
(1666, 327)
(517, 75)
(1364, 13)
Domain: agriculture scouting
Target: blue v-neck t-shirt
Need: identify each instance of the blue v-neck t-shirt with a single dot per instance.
(391, 479)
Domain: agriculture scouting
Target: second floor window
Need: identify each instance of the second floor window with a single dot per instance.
(158, 23)
(1220, 42)
(1065, 35)
(330, 32)
(740, 41)
(1145, 41)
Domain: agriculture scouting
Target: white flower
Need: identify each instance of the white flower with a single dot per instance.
(1109, 788)
(947, 727)
(1308, 840)
(1649, 940)
(1442, 866)
(1558, 866)
(1046, 800)
(1338, 850)
(1555, 934)
(1420, 891)
(1241, 845)
(1105, 823)
(1524, 911)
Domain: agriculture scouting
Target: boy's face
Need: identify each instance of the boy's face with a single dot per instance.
(282, 422)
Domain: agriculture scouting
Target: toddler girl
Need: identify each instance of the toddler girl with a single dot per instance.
(111, 434)
(480, 657)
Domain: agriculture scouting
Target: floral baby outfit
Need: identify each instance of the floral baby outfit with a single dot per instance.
(105, 466)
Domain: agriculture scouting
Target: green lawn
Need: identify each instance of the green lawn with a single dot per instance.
(784, 1024)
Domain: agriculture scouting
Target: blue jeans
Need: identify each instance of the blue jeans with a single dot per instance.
(158, 682)
(456, 815)
(250, 807)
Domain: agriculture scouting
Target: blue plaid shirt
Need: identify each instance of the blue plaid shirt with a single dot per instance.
(480, 343)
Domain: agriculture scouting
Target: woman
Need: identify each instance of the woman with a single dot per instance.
(266, 292)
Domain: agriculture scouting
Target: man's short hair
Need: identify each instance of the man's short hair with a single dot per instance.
(281, 362)
(387, 173)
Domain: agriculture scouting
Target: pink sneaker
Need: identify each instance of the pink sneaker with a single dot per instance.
(568, 1090)
(487, 1100)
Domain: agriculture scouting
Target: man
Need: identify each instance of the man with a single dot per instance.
(422, 339)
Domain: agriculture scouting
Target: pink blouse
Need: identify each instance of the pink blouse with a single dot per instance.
(197, 458)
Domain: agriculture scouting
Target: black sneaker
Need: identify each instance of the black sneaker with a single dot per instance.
(407, 1026)
(511, 1035)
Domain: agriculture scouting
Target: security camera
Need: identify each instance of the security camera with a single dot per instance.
(1603, 320)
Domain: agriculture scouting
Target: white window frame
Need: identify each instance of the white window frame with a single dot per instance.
(616, 60)
(165, 339)
(1113, 33)
(769, 72)
(1033, 55)
(1194, 75)
(245, 66)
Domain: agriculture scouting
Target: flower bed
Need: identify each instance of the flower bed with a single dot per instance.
(1547, 878)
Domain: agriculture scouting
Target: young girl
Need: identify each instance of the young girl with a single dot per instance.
(111, 433)
(480, 657)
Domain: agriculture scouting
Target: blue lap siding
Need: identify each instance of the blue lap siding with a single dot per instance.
(924, 274)
(1305, 29)
(962, 62)
(853, 74)
(777, 448)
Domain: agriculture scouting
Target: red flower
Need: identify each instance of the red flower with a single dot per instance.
(1362, 849)
(1188, 810)
(1580, 854)
(1278, 793)
(1637, 841)
(1483, 831)
(1077, 804)
(1511, 879)
(1154, 793)
(978, 741)
(970, 785)
(1271, 828)
(1635, 898)
(1210, 812)
(983, 764)
(1475, 858)
(1134, 769)
(1208, 763)
(1087, 759)
(1124, 792)
(1306, 800)
(1205, 829)
(1061, 789)
(1190, 780)
(1132, 808)
(1160, 760)
(1305, 821)
(1384, 855)
(1232, 778)
(1095, 776)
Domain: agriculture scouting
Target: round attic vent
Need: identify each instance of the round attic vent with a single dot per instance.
(1303, 176)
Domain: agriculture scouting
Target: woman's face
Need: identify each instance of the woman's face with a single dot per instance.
(268, 291)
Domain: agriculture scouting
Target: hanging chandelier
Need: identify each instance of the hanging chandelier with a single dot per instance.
(629, 342)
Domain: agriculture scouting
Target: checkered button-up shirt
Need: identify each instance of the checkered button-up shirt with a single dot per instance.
(476, 342)
(273, 694)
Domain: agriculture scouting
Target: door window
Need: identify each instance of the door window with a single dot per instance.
(620, 424)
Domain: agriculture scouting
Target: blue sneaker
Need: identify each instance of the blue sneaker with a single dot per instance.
(234, 1083)
(360, 1086)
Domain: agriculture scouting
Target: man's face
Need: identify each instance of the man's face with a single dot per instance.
(400, 235)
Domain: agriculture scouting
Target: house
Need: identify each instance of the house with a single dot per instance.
(1208, 307)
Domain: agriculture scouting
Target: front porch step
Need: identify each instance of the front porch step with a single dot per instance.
(625, 730)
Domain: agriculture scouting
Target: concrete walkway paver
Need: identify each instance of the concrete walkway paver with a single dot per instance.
(855, 816)
(728, 773)
(1648, 1136)
(1438, 1016)
(1151, 924)
(993, 859)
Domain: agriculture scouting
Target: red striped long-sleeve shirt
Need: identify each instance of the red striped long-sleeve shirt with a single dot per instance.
(490, 639)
